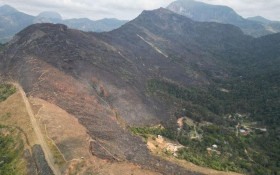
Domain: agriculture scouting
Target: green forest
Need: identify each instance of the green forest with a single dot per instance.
(11, 150)
(6, 90)
(250, 102)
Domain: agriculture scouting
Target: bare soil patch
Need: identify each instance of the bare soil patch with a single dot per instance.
(73, 143)
(13, 113)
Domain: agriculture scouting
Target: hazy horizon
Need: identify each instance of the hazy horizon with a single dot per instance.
(129, 9)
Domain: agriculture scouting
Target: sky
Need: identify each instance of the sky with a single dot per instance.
(129, 9)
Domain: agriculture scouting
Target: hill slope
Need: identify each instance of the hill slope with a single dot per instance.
(155, 69)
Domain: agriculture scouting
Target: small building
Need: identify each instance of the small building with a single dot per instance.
(159, 139)
(215, 146)
(263, 129)
(244, 132)
(173, 148)
(210, 151)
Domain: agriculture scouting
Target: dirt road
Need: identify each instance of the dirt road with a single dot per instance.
(37, 130)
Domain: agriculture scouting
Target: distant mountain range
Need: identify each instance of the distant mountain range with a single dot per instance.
(13, 21)
(199, 11)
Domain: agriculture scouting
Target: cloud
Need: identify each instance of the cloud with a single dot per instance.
(129, 9)
(94, 9)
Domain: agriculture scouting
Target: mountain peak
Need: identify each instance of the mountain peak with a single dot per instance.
(259, 19)
(194, 3)
(32, 30)
(159, 18)
(200, 11)
(50, 15)
(161, 12)
(7, 9)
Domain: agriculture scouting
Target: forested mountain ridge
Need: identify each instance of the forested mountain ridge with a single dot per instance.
(200, 11)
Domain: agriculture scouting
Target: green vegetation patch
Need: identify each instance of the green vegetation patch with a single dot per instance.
(11, 151)
(258, 96)
(6, 90)
(241, 104)
(147, 131)
(5, 116)
(222, 103)
(198, 102)
(233, 153)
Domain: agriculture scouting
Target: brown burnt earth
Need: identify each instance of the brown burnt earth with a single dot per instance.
(66, 67)
(101, 79)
